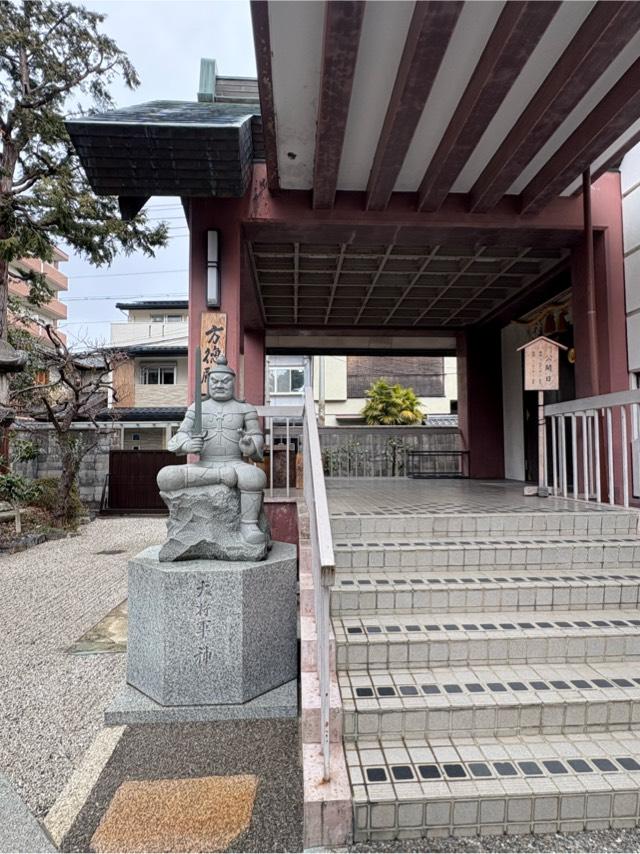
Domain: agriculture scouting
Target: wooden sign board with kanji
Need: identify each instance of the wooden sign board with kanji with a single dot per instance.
(213, 341)
(542, 364)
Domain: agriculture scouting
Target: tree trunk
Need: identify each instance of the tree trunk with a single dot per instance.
(70, 465)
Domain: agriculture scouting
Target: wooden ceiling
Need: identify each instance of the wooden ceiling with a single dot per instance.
(438, 286)
(433, 98)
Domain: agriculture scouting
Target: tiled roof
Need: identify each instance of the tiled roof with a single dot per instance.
(163, 303)
(184, 148)
(142, 413)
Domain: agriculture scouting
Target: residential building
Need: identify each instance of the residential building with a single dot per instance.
(151, 387)
(340, 382)
(53, 311)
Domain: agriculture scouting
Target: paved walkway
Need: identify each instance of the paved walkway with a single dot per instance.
(51, 703)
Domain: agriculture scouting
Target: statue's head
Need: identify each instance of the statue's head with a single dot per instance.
(221, 381)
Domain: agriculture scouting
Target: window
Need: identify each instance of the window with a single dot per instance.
(157, 318)
(286, 380)
(174, 318)
(158, 374)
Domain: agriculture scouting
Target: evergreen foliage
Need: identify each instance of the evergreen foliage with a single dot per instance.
(391, 404)
(51, 53)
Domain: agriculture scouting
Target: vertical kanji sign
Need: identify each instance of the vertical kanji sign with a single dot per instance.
(213, 340)
(542, 373)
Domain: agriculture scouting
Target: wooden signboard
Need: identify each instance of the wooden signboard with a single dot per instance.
(542, 364)
(213, 340)
(542, 373)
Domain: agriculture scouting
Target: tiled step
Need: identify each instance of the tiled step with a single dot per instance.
(481, 701)
(585, 520)
(416, 641)
(408, 788)
(620, 552)
(498, 590)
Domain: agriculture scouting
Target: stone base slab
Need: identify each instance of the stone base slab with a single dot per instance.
(131, 706)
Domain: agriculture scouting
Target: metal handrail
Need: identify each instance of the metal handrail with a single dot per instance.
(278, 414)
(322, 565)
(596, 448)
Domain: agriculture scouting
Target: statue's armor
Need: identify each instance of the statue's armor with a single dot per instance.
(221, 425)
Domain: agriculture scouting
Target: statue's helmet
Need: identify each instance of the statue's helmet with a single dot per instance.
(222, 367)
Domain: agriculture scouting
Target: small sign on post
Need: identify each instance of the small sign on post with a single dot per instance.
(542, 373)
(213, 341)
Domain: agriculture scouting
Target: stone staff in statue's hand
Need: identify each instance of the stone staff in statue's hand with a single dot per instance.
(195, 444)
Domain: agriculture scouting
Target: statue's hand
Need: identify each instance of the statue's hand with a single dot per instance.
(194, 445)
(247, 445)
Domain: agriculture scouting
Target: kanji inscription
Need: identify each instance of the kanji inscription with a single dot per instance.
(541, 365)
(213, 340)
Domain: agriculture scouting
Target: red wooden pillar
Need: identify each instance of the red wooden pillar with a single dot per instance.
(254, 366)
(480, 401)
(613, 374)
(225, 216)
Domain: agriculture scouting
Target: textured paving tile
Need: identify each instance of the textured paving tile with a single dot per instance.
(205, 814)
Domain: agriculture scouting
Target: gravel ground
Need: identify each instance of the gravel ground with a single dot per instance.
(595, 840)
(51, 703)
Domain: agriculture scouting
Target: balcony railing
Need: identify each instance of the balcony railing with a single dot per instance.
(594, 447)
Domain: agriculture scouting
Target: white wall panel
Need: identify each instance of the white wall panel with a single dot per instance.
(296, 42)
(384, 32)
(468, 40)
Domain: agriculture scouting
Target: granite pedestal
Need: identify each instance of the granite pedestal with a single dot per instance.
(211, 632)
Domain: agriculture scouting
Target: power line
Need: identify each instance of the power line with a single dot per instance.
(126, 296)
(114, 275)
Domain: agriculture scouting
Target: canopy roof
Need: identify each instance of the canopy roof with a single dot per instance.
(483, 99)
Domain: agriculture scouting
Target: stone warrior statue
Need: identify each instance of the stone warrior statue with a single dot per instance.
(221, 430)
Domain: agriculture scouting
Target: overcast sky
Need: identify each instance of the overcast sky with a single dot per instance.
(165, 40)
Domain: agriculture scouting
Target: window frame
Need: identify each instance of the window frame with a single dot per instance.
(146, 367)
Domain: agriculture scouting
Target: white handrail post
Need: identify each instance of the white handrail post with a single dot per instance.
(610, 472)
(574, 454)
(554, 453)
(585, 451)
(625, 450)
(596, 446)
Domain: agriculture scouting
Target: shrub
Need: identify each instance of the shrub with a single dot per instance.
(48, 499)
(391, 404)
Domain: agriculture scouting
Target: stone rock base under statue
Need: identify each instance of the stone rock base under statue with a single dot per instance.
(204, 522)
(207, 632)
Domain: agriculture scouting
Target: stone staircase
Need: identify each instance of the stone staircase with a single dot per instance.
(489, 667)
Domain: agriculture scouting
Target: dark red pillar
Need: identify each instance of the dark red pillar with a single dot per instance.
(608, 249)
(254, 366)
(480, 401)
(224, 215)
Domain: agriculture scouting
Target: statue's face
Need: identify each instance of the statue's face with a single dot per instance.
(220, 386)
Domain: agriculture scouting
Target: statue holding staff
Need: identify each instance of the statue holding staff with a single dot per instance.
(221, 430)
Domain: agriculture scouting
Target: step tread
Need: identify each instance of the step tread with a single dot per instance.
(403, 769)
(490, 785)
(486, 577)
(425, 625)
(342, 544)
(443, 688)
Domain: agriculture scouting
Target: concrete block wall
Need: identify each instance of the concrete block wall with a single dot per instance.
(93, 468)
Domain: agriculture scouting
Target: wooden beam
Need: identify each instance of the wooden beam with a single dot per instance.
(262, 42)
(429, 33)
(608, 120)
(342, 26)
(512, 41)
(604, 33)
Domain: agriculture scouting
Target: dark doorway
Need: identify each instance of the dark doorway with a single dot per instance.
(132, 479)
